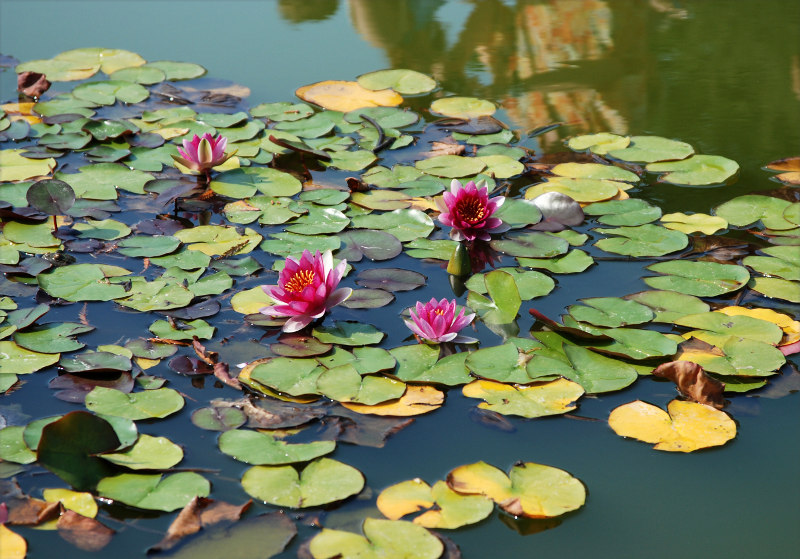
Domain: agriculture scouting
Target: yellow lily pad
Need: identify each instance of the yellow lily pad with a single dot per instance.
(532, 490)
(685, 427)
(12, 545)
(703, 223)
(337, 95)
(444, 508)
(417, 400)
(790, 327)
(15, 167)
(537, 400)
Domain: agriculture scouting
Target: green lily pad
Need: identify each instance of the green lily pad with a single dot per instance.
(282, 111)
(668, 306)
(50, 196)
(217, 240)
(404, 224)
(502, 166)
(629, 212)
(176, 71)
(344, 383)
(597, 373)
(292, 244)
(637, 344)
(13, 447)
(573, 262)
(322, 482)
(244, 183)
(219, 418)
(451, 166)
(703, 223)
(776, 288)
(746, 210)
(55, 337)
(95, 361)
(154, 491)
(69, 448)
(109, 92)
(504, 363)
(375, 245)
(184, 259)
(106, 229)
(385, 200)
(253, 447)
(149, 453)
(100, 181)
(296, 377)
(137, 405)
(348, 334)
(146, 75)
(186, 331)
(529, 284)
(697, 170)
(702, 279)
(610, 312)
(600, 143)
(155, 295)
(538, 400)
(148, 246)
(266, 209)
(741, 326)
(531, 245)
(649, 149)
(38, 235)
(403, 81)
(463, 107)
(382, 538)
(108, 60)
(519, 213)
(504, 301)
(20, 361)
(319, 221)
(594, 171)
(580, 190)
(643, 240)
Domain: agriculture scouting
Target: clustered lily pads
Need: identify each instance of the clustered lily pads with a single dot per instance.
(102, 214)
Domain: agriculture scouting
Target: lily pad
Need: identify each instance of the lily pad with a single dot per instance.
(538, 400)
(322, 482)
(697, 170)
(649, 149)
(244, 183)
(600, 143)
(702, 223)
(531, 490)
(531, 245)
(702, 279)
(349, 334)
(149, 453)
(746, 210)
(687, 426)
(14, 166)
(404, 82)
(253, 447)
(643, 240)
(630, 212)
(443, 508)
(153, 491)
(463, 107)
(382, 538)
(138, 405)
(451, 166)
(346, 96)
(575, 261)
(390, 279)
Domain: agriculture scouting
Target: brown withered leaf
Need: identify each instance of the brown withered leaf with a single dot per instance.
(722, 249)
(83, 532)
(785, 164)
(24, 510)
(693, 382)
(792, 178)
(445, 148)
(199, 513)
(32, 84)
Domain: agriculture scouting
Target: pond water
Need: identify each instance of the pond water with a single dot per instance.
(722, 76)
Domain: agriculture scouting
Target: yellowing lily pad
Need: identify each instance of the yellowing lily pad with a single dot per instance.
(216, 240)
(14, 546)
(405, 82)
(532, 490)
(444, 508)
(580, 190)
(537, 400)
(382, 539)
(687, 427)
(417, 400)
(80, 502)
(703, 223)
(336, 95)
(16, 167)
(697, 170)
(600, 143)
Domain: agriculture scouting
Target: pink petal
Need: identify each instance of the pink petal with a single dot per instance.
(337, 297)
(296, 323)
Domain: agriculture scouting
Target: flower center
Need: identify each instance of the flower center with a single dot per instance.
(440, 312)
(471, 210)
(300, 280)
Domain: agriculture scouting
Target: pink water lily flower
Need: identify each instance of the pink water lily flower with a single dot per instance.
(203, 153)
(306, 289)
(468, 210)
(437, 321)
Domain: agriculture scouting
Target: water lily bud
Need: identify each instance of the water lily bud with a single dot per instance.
(459, 263)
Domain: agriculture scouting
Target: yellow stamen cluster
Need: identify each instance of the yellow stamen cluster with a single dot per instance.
(471, 210)
(300, 280)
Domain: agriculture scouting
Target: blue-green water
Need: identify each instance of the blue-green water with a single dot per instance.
(723, 76)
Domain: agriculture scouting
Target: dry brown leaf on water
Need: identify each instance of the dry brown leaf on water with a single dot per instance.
(22, 509)
(444, 148)
(32, 84)
(685, 427)
(693, 382)
(199, 513)
(792, 178)
(83, 532)
(785, 164)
